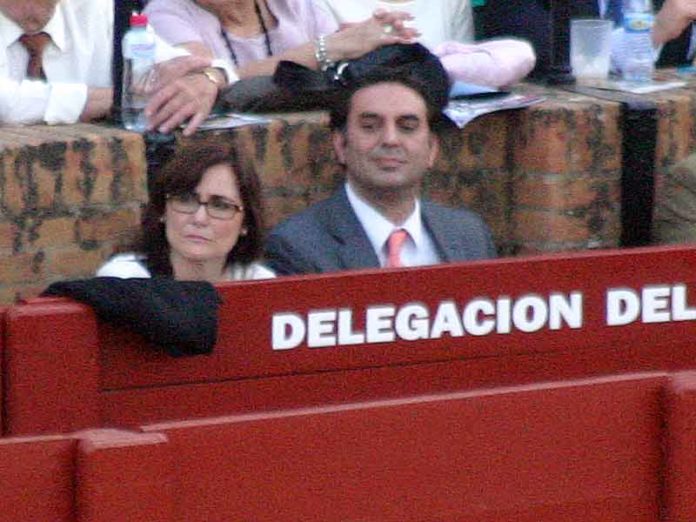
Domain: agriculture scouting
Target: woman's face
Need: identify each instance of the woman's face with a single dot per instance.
(197, 237)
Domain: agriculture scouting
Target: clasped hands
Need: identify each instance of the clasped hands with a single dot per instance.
(180, 93)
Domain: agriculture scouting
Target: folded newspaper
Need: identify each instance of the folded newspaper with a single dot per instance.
(462, 110)
(655, 85)
(232, 120)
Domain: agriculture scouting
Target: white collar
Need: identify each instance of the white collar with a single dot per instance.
(55, 29)
(378, 228)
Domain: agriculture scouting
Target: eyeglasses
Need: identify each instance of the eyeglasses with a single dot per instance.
(217, 207)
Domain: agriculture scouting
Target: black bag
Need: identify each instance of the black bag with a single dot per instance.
(294, 87)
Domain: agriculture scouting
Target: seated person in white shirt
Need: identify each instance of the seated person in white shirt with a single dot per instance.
(77, 67)
(386, 149)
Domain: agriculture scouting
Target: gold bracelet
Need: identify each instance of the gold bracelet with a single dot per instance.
(208, 73)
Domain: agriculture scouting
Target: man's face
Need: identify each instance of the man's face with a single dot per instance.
(387, 145)
(30, 15)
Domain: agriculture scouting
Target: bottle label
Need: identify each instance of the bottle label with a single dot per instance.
(638, 22)
(143, 51)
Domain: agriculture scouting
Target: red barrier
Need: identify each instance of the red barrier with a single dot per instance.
(51, 368)
(37, 479)
(575, 451)
(245, 373)
(3, 311)
(680, 481)
(90, 476)
(602, 449)
(123, 476)
(369, 335)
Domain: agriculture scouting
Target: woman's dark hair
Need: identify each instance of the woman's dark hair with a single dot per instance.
(181, 174)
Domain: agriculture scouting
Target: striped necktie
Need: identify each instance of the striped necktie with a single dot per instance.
(35, 44)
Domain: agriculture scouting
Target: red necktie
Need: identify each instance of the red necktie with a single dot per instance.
(395, 243)
(35, 45)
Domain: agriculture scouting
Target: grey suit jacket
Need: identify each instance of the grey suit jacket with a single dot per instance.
(327, 237)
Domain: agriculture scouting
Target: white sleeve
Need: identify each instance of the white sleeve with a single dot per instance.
(29, 102)
(259, 271)
(124, 266)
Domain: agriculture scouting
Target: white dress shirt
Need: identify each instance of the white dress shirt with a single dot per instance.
(418, 249)
(130, 265)
(78, 55)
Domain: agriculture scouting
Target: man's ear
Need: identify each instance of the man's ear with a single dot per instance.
(338, 137)
(434, 143)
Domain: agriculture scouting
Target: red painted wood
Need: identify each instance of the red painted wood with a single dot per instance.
(51, 372)
(3, 312)
(36, 479)
(159, 403)
(574, 451)
(124, 476)
(244, 348)
(680, 468)
(65, 373)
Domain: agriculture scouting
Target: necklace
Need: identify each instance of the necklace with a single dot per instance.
(264, 30)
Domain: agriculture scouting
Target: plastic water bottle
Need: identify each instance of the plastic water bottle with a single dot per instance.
(638, 56)
(138, 72)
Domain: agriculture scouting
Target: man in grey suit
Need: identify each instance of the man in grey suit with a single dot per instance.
(384, 136)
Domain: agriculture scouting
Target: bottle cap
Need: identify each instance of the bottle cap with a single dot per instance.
(138, 20)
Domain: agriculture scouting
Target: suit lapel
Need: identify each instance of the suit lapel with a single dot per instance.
(450, 246)
(354, 249)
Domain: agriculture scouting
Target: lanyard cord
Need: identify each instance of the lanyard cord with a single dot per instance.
(264, 29)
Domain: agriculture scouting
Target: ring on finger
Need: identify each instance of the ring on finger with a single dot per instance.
(388, 29)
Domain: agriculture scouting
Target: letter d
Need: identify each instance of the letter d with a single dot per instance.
(623, 306)
(288, 331)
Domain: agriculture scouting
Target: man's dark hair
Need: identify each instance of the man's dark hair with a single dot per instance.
(411, 65)
(180, 175)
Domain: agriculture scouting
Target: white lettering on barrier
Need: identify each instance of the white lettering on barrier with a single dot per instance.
(415, 321)
(680, 309)
(652, 304)
(346, 335)
(287, 330)
(447, 320)
(481, 316)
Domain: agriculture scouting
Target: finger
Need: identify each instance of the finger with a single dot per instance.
(160, 107)
(177, 116)
(393, 16)
(195, 121)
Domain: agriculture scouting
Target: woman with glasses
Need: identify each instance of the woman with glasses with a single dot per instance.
(203, 220)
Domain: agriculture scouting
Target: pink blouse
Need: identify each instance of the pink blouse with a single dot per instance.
(183, 21)
(494, 63)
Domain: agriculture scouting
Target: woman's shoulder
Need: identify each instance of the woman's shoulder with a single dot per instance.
(125, 266)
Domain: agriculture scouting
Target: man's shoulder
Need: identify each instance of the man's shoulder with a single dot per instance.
(460, 231)
(312, 218)
(432, 208)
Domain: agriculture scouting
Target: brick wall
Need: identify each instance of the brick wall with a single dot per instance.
(546, 178)
(66, 194)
